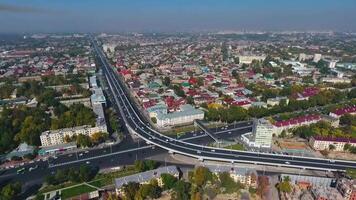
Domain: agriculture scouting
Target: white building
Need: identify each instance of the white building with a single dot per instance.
(261, 136)
(186, 115)
(322, 143)
(317, 57)
(249, 59)
(276, 101)
(56, 137)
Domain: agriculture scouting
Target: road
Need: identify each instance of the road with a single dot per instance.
(136, 123)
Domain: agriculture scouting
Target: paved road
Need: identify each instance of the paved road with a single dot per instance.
(136, 123)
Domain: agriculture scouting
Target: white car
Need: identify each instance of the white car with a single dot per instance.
(288, 163)
(33, 168)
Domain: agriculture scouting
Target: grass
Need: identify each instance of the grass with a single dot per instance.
(351, 172)
(235, 147)
(77, 190)
(102, 180)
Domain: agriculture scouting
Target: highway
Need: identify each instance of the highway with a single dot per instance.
(135, 122)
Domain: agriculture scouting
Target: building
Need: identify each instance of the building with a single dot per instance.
(54, 149)
(347, 188)
(342, 111)
(248, 177)
(249, 59)
(279, 126)
(145, 177)
(335, 80)
(321, 143)
(277, 101)
(325, 193)
(261, 136)
(56, 137)
(185, 115)
(317, 57)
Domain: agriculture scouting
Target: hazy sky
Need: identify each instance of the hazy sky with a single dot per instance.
(175, 15)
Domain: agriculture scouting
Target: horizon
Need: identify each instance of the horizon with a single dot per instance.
(18, 16)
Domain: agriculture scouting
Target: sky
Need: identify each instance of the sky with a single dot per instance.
(23, 16)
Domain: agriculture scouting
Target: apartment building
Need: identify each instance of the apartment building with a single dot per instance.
(347, 188)
(55, 137)
(321, 143)
(185, 115)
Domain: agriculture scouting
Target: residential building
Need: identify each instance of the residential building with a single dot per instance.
(347, 188)
(317, 57)
(277, 101)
(145, 177)
(326, 193)
(341, 111)
(55, 137)
(279, 126)
(321, 143)
(185, 115)
(248, 177)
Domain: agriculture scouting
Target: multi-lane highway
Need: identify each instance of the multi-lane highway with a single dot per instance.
(136, 123)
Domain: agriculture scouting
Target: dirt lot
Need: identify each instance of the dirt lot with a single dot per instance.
(342, 156)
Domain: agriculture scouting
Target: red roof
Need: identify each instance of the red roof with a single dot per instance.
(346, 110)
(192, 81)
(297, 120)
(335, 139)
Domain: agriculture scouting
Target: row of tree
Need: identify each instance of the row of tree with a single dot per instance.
(74, 175)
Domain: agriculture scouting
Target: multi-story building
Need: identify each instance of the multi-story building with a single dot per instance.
(342, 111)
(248, 177)
(56, 137)
(347, 188)
(185, 115)
(322, 143)
(145, 177)
(279, 126)
(261, 136)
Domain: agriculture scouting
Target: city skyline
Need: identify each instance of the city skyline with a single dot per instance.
(175, 16)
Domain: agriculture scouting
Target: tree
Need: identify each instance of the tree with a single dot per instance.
(130, 189)
(168, 181)
(332, 147)
(263, 184)
(181, 190)
(83, 141)
(228, 183)
(139, 165)
(167, 81)
(202, 175)
(85, 173)
(99, 137)
(10, 191)
(347, 146)
(285, 185)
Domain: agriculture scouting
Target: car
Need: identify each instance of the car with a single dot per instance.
(288, 163)
(87, 162)
(21, 171)
(80, 154)
(213, 150)
(33, 168)
(70, 155)
(332, 161)
(199, 152)
(86, 152)
(229, 132)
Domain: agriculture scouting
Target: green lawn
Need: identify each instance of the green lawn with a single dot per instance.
(75, 191)
(235, 147)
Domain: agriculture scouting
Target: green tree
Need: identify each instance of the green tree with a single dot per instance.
(202, 175)
(167, 81)
(83, 141)
(130, 189)
(168, 181)
(181, 190)
(10, 191)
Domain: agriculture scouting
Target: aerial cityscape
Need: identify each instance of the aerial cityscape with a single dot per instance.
(181, 100)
